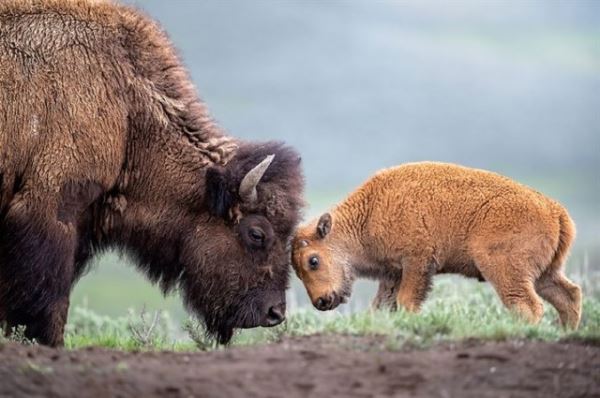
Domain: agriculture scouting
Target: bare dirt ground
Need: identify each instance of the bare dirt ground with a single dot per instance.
(314, 366)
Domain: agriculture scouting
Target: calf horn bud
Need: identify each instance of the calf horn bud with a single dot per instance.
(251, 179)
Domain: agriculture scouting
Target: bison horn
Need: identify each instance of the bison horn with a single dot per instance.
(251, 180)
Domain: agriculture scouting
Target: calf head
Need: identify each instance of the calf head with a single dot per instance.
(321, 264)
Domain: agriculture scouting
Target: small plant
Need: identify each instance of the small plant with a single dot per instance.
(145, 329)
(16, 334)
(86, 327)
(132, 332)
(197, 333)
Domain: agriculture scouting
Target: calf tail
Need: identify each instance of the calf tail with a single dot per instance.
(566, 235)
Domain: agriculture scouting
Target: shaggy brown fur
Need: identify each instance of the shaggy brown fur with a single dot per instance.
(413, 221)
(104, 143)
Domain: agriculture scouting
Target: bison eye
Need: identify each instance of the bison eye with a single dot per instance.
(313, 262)
(256, 235)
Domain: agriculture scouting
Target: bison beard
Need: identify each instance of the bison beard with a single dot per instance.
(105, 144)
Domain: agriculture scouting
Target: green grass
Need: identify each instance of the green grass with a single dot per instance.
(107, 302)
(456, 310)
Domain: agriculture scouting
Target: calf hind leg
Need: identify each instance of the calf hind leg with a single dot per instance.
(515, 289)
(563, 294)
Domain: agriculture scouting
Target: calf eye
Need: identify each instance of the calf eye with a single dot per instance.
(256, 235)
(313, 262)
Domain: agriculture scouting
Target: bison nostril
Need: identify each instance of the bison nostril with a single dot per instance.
(276, 315)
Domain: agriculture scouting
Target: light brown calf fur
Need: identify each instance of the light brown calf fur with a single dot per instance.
(410, 222)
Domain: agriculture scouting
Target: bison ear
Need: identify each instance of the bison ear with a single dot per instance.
(218, 197)
(324, 225)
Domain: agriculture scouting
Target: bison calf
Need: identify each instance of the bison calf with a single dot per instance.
(413, 221)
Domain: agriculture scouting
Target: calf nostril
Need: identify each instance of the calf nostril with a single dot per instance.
(321, 303)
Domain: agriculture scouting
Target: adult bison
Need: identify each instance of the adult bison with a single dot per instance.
(104, 143)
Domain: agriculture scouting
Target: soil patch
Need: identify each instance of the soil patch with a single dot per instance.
(319, 366)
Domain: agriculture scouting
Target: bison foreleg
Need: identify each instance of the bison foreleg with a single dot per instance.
(36, 270)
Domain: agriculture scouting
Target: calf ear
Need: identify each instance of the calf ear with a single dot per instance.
(324, 225)
(218, 197)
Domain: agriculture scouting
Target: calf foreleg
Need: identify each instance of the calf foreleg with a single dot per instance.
(386, 295)
(417, 277)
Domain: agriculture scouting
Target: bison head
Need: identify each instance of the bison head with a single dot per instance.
(236, 260)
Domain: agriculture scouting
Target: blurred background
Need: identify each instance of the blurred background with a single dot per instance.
(356, 86)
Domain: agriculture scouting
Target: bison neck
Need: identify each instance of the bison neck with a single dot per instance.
(157, 200)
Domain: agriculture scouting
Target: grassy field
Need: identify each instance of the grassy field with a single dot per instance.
(457, 309)
(114, 306)
(117, 308)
